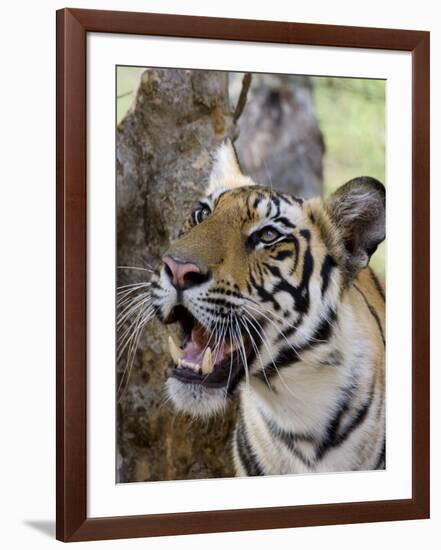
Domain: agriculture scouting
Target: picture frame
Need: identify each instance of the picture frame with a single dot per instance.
(73, 522)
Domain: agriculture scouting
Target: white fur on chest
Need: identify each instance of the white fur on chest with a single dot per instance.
(304, 399)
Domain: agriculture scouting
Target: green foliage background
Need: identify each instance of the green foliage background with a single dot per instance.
(351, 114)
(352, 117)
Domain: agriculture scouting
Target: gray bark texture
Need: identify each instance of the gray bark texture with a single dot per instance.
(163, 157)
(280, 143)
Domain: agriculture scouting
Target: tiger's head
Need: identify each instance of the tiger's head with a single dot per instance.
(253, 269)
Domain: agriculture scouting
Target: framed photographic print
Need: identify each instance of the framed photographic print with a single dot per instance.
(242, 316)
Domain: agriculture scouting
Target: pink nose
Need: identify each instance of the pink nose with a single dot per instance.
(180, 272)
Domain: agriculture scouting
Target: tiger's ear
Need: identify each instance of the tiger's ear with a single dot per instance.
(225, 171)
(358, 210)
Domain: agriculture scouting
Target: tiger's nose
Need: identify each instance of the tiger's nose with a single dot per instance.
(183, 274)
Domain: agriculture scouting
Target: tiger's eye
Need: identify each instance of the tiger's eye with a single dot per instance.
(268, 235)
(202, 214)
(205, 212)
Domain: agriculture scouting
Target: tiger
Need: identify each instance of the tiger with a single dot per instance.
(277, 304)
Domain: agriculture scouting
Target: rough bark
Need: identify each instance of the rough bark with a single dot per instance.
(163, 153)
(163, 159)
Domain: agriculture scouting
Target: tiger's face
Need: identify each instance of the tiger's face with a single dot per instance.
(252, 270)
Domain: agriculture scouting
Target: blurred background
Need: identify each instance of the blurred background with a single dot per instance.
(298, 134)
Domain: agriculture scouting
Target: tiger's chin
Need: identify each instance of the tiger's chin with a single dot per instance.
(202, 379)
(195, 399)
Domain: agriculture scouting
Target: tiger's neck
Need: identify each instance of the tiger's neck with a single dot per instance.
(305, 389)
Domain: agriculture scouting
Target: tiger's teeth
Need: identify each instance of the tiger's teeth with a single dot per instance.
(207, 363)
(175, 350)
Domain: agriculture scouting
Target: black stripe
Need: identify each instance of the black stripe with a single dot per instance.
(306, 233)
(286, 199)
(276, 201)
(290, 331)
(331, 434)
(377, 284)
(220, 196)
(282, 254)
(322, 332)
(257, 200)
(333, 437)
(249, 215)
(290, 354)
(246, 454)
(268, 208)
(275, 271)
(325, 272)
(373, 313)
(290, 439)
(357, 419)
(284, 220)
(300, 293)
(264, 295)
(297, 253)
(293, 239)
(334, 359)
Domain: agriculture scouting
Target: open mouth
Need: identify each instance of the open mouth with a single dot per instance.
(201, 358)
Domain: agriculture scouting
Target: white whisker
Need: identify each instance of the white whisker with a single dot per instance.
(148, 269)
(256, 350)
(286, 324)
(131, 307)
(269, 352)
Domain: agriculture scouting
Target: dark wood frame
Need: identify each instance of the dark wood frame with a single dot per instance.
(72, 28)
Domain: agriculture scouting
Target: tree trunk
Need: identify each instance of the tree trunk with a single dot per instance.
(163, 160)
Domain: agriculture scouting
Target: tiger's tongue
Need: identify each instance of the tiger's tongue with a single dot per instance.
(198, 343)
